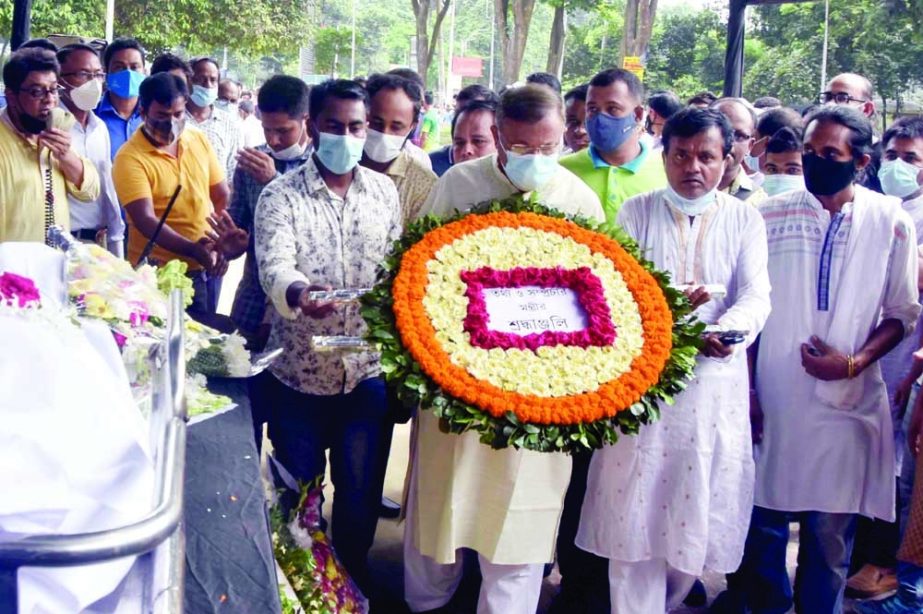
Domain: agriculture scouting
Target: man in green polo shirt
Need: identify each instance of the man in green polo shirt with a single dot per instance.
(618, 164)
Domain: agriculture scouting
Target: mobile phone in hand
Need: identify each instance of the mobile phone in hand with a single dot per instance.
(732, 337)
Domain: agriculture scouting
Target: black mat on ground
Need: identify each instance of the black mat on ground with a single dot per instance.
(229, 562)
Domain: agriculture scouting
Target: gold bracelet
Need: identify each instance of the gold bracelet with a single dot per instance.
(850, 366)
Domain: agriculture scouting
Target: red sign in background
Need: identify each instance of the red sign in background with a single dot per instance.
(467, 67)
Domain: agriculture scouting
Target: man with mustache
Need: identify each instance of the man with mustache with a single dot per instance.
(38, 167)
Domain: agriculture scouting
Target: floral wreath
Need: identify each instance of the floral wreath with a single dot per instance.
(562, 388)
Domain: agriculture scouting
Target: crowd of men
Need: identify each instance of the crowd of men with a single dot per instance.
(806, 219)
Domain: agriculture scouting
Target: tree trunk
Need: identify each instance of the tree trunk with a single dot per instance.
(513, 43)
(555, 63)
(426, 43)
(501, 16)
(884, 113)
(639, 24)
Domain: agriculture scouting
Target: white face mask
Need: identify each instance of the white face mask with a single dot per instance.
(693, 206)
(87, 96)
(292, 152)
(382, 147)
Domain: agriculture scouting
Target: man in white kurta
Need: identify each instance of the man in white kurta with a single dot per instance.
(675, 499)
(842, 262)
(503, 504)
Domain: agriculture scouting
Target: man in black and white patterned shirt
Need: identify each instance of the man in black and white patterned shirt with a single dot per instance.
(329, 224)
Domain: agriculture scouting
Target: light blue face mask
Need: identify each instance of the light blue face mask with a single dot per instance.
(125, 83)
(530, 172)
(898, 178)
(774, 185)
(204, 96)
(753, 163)
(339, 153)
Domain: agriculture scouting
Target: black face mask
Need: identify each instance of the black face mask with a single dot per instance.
(31, 125)
(164, 131)
(824, 177)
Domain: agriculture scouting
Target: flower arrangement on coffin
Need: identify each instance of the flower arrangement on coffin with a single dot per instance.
(547, 383)
(134, 303)
(307, 559)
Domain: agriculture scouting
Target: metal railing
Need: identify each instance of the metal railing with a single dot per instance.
(160, 529)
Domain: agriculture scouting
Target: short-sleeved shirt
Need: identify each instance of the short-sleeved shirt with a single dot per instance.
(141, 171)
(120, 129)
(616, 184)
(431, 128)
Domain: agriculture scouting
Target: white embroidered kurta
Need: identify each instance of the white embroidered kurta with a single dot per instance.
(504, 504)
(835, 455)
(896, 364)
(682, 489)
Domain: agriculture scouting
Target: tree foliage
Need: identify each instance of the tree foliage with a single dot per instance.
(255, 27)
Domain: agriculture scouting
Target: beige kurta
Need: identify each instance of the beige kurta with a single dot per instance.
(504, 504)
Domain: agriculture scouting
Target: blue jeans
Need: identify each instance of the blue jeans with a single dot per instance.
(206, 289)
(825, 546)
(910, 584)
(356, 427)
(908, 465)
(909, 576)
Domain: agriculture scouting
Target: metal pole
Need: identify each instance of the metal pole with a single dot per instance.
(448, 72)
(352, 57)
(823, 60)
(22, 21)
(110, 19)
(734, 56)
(493, 26)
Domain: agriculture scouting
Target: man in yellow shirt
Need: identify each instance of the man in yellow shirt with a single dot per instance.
(38, 168)
(157, 160)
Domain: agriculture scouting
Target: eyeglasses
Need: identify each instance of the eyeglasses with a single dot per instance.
(85, 75)
(38, 93)
(839, 98)
(525, 150)
(740, 137)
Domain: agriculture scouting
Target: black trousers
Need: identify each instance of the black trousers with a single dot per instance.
(584, 576)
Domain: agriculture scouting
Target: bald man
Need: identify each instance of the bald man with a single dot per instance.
(735, 180)
(852, 90)
(856, 91)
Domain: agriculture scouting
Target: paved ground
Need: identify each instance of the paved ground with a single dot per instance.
(385, 557)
